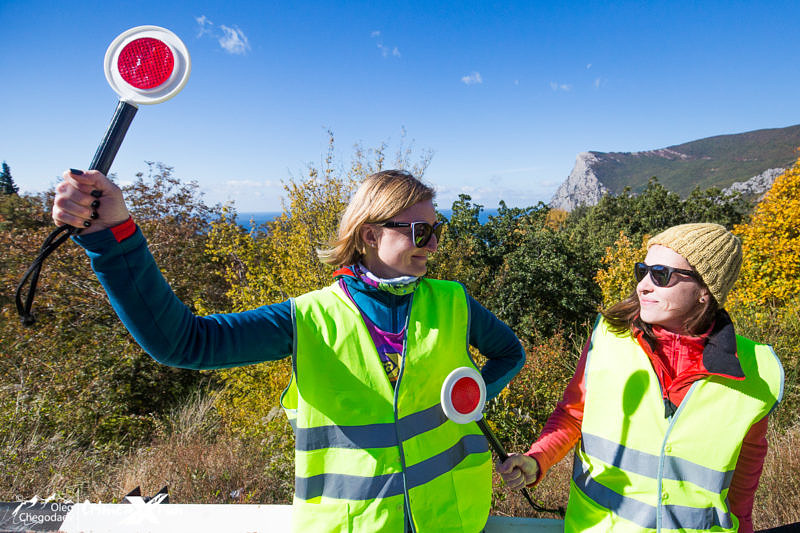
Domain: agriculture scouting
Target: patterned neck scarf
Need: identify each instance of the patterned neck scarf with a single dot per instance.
(399, 286)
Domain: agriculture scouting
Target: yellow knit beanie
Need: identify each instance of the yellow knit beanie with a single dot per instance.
(714, 252)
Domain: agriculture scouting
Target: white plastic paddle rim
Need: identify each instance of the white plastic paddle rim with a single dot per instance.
(447, 395)
(156, 95)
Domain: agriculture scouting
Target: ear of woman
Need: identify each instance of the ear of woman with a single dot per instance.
(370, 235)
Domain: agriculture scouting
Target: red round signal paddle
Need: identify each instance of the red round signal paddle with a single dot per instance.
(146, 63)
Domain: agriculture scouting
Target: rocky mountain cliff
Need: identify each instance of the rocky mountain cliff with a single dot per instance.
(582, 186)
(745, 162)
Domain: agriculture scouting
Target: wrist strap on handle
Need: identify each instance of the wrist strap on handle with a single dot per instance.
(109, 146)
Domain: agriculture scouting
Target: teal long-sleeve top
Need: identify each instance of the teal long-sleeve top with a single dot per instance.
(168, 330)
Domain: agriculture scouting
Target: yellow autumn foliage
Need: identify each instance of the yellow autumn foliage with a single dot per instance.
(771, 245)
(616, 279)
(270, 267)
(556, 218)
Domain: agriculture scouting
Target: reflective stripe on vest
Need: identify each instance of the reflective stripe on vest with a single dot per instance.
(642, 514)
(636, 469)
(348, 487)
(370, 457)
(369, 435)
(647, 465)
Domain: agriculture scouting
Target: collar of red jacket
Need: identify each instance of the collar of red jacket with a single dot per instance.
(344, 271)
(719, 353)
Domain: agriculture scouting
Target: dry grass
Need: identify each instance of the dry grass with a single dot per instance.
(778, 497)
(551, 493)
(228, 470)
(202, 464)
(50, 467)
(192, 455)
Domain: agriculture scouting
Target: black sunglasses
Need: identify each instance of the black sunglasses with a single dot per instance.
(660, 274)
(421, 231)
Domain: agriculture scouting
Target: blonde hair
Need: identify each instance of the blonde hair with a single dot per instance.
(380, 197)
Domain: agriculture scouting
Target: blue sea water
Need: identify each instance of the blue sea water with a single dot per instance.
(251, 219)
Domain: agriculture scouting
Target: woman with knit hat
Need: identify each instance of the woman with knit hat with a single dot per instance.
(667, 405)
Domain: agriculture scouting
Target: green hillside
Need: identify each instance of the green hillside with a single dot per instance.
(712, 162)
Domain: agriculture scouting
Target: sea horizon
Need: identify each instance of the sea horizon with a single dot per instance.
(250, 219)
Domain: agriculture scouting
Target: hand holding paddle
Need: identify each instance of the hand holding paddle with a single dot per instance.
(463, 398)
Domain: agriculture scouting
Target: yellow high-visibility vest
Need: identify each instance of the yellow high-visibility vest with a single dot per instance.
(636, 470)
(370, 457)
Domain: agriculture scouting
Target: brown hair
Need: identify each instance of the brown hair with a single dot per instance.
(623, 316)
(380, 197)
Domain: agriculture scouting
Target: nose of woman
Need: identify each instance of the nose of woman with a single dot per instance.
(646, 285)
(433, 244)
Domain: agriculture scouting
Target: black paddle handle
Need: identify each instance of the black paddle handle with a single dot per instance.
(501, 453)
(109, 146)
(490, 436)
(112, 140)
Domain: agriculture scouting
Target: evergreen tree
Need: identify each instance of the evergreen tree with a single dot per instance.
(7, 185)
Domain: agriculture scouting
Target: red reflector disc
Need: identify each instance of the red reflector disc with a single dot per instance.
(146, 63)
(466, 395)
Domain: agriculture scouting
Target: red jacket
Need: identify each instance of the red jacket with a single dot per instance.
(679, 361)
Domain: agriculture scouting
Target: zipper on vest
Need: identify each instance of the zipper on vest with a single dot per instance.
(672, 421)
(409, 526)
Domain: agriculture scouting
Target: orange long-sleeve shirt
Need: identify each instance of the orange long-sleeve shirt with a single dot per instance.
(678, 362)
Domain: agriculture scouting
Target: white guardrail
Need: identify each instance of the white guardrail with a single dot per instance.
(140, 517)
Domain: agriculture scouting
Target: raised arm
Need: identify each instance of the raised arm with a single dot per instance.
(146, 304)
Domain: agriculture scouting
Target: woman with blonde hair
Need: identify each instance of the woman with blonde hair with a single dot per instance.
(373, 449)
(668, 405)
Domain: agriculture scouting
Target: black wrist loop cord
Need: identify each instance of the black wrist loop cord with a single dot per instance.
(50, 244)
(123, 116)
(501, 453)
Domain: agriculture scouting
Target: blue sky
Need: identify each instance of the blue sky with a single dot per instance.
(504, 94)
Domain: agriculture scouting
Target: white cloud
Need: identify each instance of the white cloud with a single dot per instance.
(234, 41)
(472, 79)
(560, 86)
(599, 82)
(521, 186)
(231, 39)
(588, 66)
(203, 25)
(249, 194)
(490, 197)
(386, 51)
